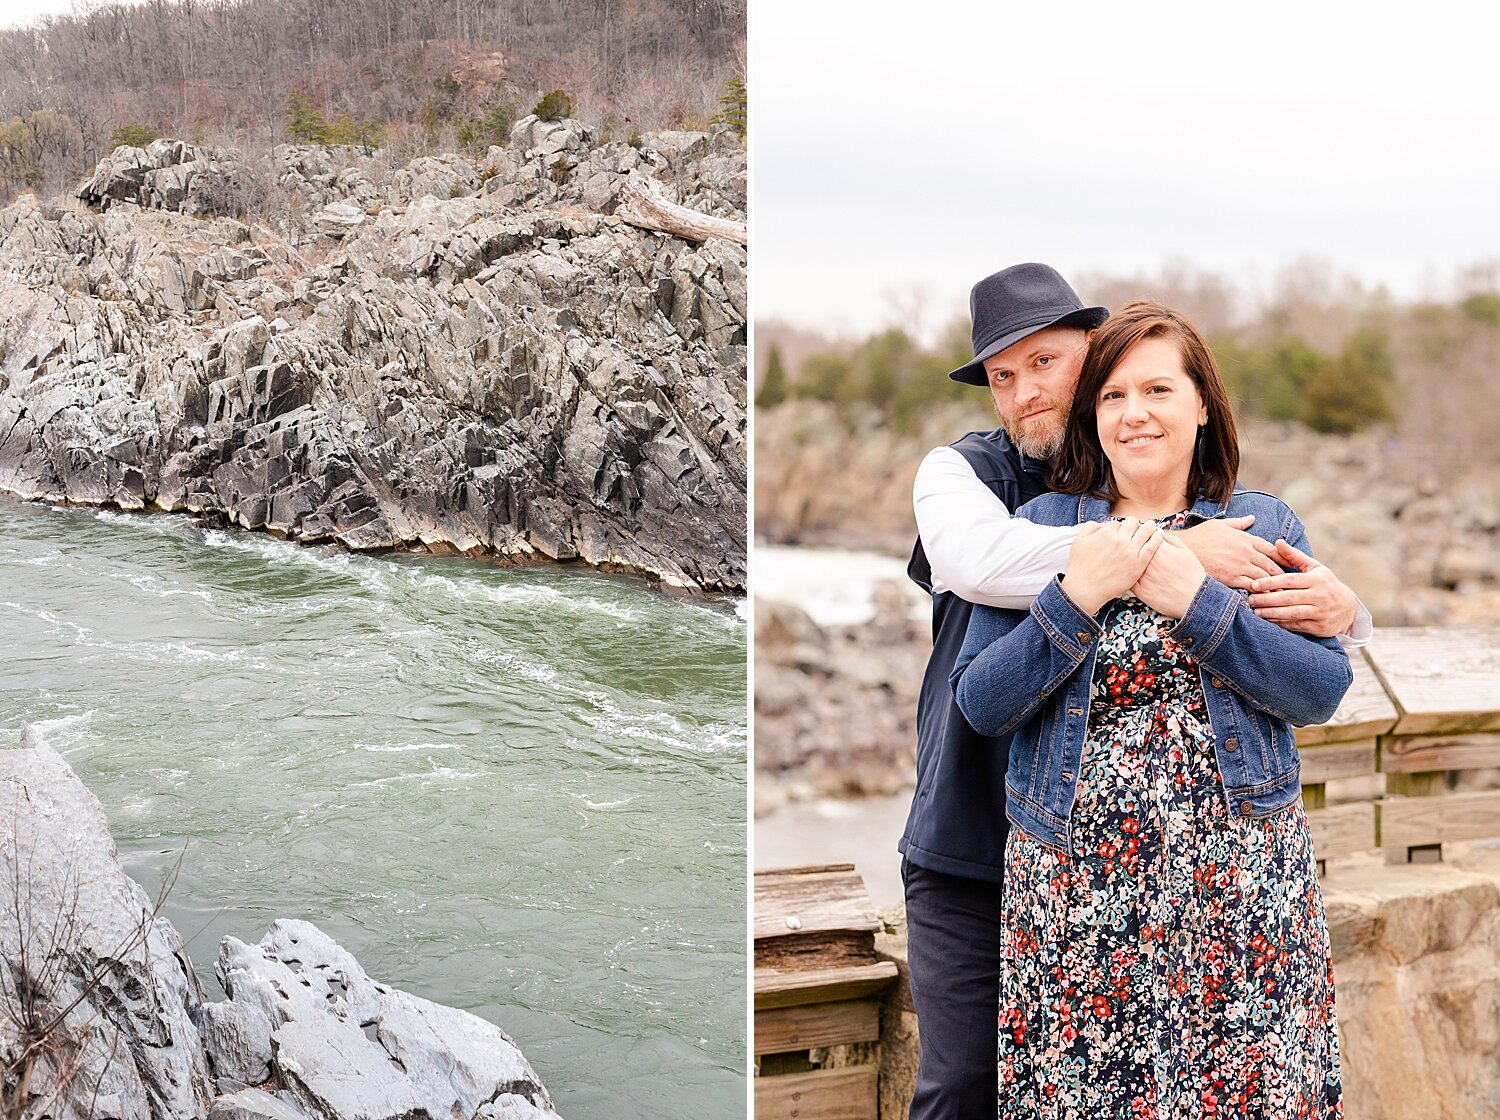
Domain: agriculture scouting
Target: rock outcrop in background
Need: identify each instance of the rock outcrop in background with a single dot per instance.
(836, 706)
(451, 355)
(101, 1014)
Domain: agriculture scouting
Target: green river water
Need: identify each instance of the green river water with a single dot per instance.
(516, 791)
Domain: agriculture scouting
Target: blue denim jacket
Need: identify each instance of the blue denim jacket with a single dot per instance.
(1030, 672)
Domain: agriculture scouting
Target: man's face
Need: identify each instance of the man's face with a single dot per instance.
(1032, 383)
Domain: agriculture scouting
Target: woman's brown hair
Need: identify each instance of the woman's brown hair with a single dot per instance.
(1081, 466)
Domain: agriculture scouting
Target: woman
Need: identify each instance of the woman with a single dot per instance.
(1166, 951)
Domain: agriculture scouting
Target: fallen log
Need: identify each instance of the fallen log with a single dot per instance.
(643, 205)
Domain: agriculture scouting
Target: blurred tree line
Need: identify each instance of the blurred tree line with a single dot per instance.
(223, 71)
(1327, 354)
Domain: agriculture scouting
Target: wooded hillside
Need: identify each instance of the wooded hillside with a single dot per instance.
(413, 75)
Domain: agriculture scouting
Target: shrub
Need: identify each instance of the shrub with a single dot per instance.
(553, 106)
(1353, 390)
(306, 124)
(1483, 307)
(132, 134)
(734, 106)
(491, 128)
(774, 387)
(680, 120)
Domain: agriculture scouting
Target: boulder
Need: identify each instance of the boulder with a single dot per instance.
(347, 1047)
(92, 950)
(541, 139)
(98, 989)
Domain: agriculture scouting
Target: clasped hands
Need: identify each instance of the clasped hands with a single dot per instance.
(1114, 558)
(1164, 570)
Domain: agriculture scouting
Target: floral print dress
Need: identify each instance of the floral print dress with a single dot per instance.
(1175, 964)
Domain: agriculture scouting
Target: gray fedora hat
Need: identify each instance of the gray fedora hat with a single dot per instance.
(1016, 302)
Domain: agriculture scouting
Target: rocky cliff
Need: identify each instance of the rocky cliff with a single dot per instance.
(102, 1014)
(456, 355)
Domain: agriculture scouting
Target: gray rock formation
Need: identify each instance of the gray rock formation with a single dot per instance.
(92, 981)
(346, 1047)
(494, 366)
(100, 989)
(835, 707)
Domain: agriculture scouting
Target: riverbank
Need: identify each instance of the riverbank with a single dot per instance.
(452, 356)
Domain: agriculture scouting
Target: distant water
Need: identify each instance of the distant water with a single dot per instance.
(834, 586)
(858, 830)
(519, 792)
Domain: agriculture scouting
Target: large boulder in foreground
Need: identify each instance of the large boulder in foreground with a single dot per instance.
(345, 1047)
(93, 980)
(98, 987)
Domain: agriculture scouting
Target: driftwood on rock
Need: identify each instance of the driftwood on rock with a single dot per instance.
(643, 205)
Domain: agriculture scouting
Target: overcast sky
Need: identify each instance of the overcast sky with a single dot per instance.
(13, 12)
(916, 153)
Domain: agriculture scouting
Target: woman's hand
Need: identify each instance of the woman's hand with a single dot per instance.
(1171, 579)
(1107, 559)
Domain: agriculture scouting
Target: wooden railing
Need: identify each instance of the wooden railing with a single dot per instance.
(817, 995)
(1425, 705)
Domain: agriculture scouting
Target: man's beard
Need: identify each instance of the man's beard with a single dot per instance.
(1040, 439)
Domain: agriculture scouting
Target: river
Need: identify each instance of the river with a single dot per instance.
(516, 791)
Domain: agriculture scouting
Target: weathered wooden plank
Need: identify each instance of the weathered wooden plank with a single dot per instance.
(825, 1094)
(1413, 821)
(770, 873)
(823, 1024)
(1443, 679)
(814, 952)
(1424, 784)
(1337, 760)
(1342, 830)
(793, 989)
(793, 902)
(1314, 795)
(1411, 754)
(1366, 710)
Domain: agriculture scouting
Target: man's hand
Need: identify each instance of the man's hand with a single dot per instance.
(1228, 553)
(1171, 579)
(1311, 600)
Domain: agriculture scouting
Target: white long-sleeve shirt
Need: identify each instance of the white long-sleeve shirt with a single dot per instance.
(981, 553)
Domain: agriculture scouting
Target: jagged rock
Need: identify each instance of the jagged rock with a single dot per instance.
(835, 706)
(482, 373)
(237, 1037)
(254, 1104)
(350, 1048)
(447, 176)
(128, 1048)
(305, 1035)
(167, 175)
(546, 139)
(338, 218)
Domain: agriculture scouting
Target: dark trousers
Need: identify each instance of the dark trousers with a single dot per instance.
(953, 950)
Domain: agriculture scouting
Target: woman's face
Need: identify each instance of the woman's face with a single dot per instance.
(1148, 414)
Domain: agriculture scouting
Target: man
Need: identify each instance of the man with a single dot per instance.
(1030, 332)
